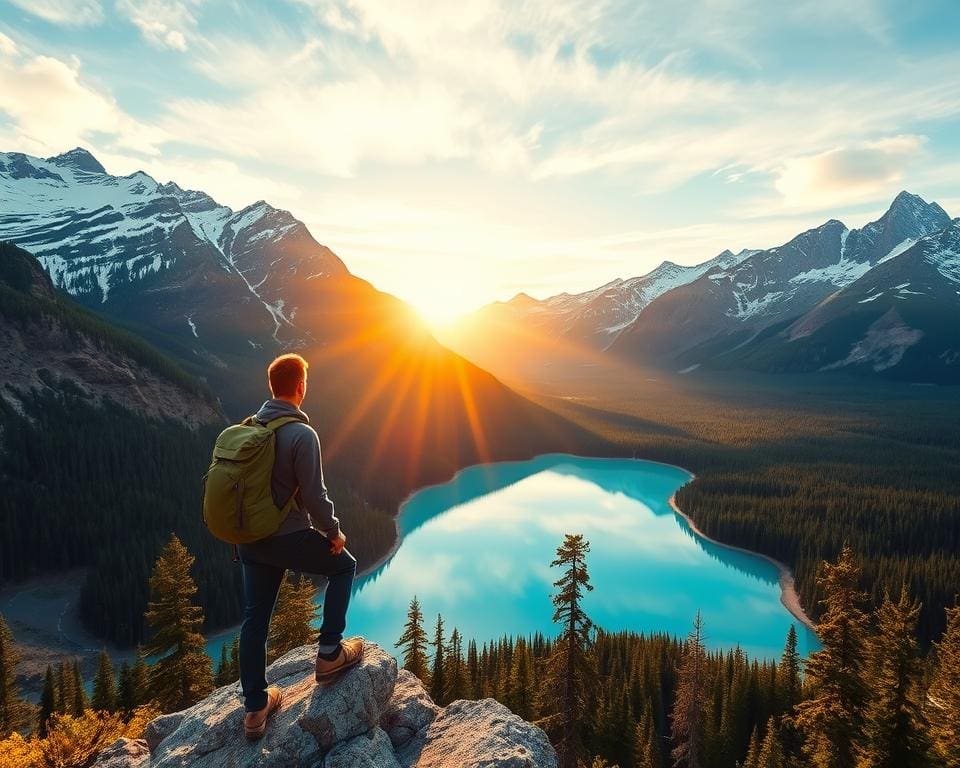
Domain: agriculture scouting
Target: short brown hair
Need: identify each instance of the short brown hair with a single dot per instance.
(284, 373)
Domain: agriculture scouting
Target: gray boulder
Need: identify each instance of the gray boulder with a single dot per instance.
(372, 717)
(478, 734)
(124, 753)
(410, 709)
(311, 719)
(371, 750)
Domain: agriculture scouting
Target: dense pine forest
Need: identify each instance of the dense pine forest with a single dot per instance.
(869, 698)
(794, 467)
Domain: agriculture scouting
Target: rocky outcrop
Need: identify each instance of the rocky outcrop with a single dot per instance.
(373, 717)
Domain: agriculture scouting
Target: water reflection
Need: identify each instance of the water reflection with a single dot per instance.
(477, 549)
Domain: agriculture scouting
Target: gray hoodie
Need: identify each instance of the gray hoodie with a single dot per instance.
(298, 466)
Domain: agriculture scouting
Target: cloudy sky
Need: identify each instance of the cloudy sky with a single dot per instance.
(457, 153)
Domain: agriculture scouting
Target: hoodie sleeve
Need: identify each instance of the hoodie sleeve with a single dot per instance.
(308, 470)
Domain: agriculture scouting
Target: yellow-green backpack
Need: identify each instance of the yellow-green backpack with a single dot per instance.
(238, 506)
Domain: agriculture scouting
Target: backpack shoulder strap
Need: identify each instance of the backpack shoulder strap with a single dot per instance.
(275, 424)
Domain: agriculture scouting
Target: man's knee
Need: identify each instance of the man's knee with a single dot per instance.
(346, 563)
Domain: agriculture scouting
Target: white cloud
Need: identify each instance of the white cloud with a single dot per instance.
(50, 109)
(7, 46)
(163, 23)
(848, 174)
(67, 12)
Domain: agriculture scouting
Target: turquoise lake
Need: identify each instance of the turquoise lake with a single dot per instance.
(477, 550)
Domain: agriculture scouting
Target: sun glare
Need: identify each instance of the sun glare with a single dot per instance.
(441, 307)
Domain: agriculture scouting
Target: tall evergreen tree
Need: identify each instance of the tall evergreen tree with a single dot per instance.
(13, 711)
(438, 677)
(690, 702)
(943, 698)
(832, 719)
(48, 703)
(293, 617)
(81, 701)
(140, 678)
(458, 685)
(521, 681)
(104, 685)
(223, 668)
(893, 730)
(413, 643)
(569, 672)
(771, 750)
(126, 698)
(646, 745)
(789, 692)
(183, 673)
(63, 685)
(235, 658)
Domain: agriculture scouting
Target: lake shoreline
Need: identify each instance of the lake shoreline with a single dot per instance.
(788, 588)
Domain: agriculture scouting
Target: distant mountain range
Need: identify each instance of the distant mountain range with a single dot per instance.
(796, 307)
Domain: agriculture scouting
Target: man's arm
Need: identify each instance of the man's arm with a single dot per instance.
(308, 469)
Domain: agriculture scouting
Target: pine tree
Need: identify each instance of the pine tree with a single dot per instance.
(140, 679)
(455, 669)
(646, 747)
(48, 702)
(81, 702)
(413, 643)
(223, 668)
(126, 698)
(893, 729)
(943, 698)
(789, 683)
(771, 750)
(235, 658)
(293, 617)
(690, 702)
(569, 672)
(752, 760)
(832, 719)
(438, 678)
(104, 685)
(521, 681)
(13, 710)
(63, 685)
(183, 674)
(789, 692)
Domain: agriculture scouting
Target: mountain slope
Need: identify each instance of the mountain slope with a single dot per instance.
(900, 320)
(525, 333)
(728, 307)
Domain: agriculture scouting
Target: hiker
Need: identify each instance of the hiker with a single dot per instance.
(297, 545)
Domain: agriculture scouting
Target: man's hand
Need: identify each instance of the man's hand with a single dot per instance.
(337, 544)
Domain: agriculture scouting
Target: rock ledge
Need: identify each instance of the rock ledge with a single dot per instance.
(373, 717)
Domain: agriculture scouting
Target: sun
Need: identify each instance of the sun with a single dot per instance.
(439, 308)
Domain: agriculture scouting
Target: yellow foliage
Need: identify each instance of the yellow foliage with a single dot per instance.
(18, 752)
(73, 742)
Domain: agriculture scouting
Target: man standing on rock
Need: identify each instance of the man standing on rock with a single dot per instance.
(297, 545)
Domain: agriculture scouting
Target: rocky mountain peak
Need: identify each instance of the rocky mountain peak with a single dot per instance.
(79, 159)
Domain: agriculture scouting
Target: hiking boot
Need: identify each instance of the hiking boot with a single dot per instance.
(351, 651)
(255, 723)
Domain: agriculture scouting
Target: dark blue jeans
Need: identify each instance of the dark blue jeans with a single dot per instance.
(264, 565)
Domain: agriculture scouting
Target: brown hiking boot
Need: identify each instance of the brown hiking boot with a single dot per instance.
(351, 651)
(255, 723)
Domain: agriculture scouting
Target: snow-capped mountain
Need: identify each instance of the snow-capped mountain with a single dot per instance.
(900, 320)
(590, 320)
(159, 256)
(726, 308)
